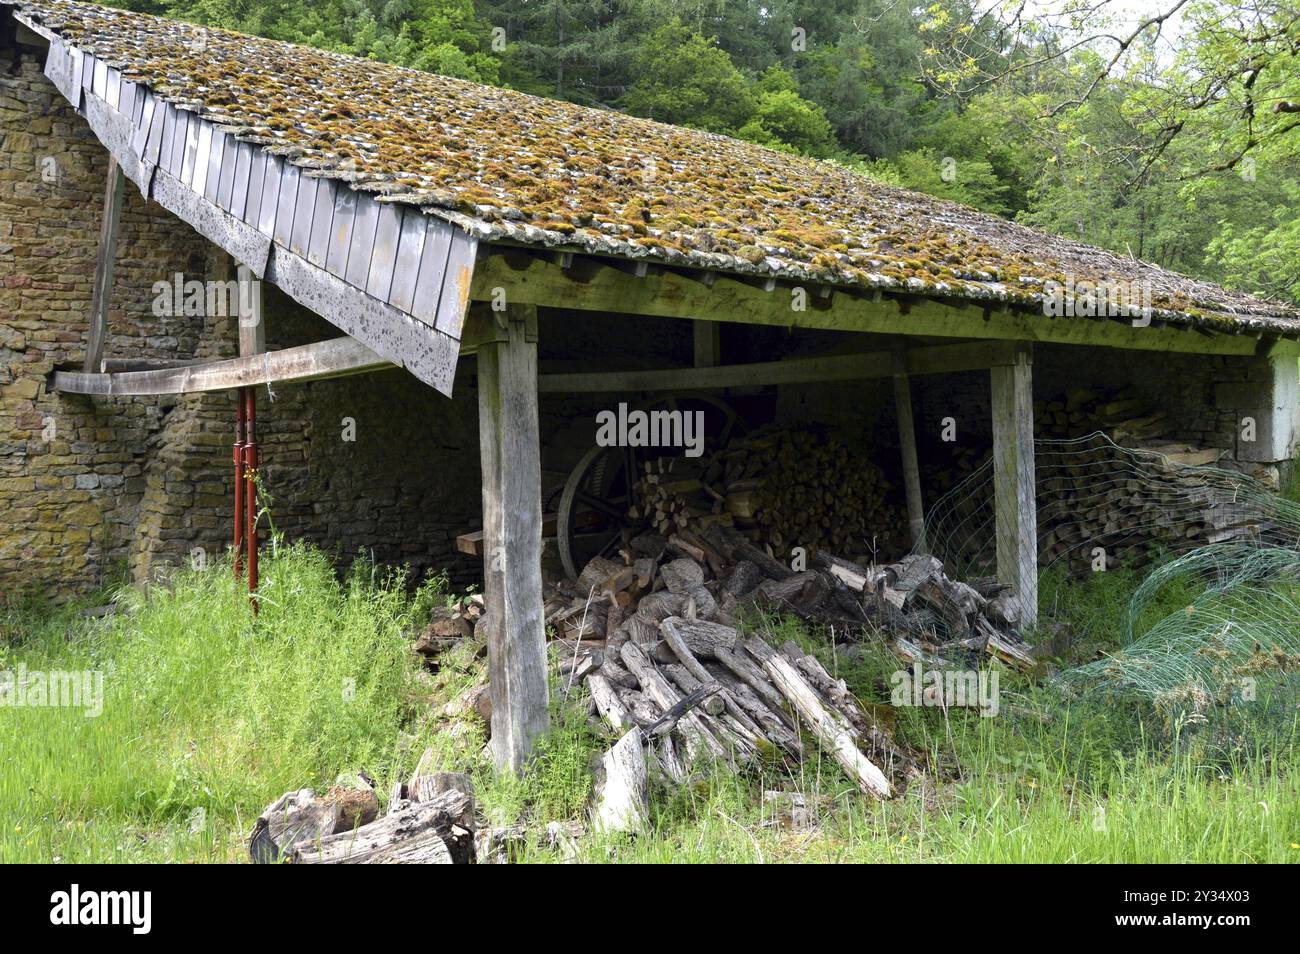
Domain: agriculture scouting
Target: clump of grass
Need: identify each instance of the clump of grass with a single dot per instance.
(1092, 612)
(557, 785)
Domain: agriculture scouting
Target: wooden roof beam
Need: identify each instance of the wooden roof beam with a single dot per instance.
(528, 279)
(936, 359)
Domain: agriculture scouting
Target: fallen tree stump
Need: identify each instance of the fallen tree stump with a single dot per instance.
(430, 820)
(416, 832)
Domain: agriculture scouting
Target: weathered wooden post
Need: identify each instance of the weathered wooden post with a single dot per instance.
(907, 446)
(105, 259)
(512, 534)
(1015, 502)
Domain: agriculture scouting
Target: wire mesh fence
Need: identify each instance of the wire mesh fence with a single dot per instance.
(1222, 537)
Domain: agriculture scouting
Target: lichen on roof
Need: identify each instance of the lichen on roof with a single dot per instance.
(509, 166)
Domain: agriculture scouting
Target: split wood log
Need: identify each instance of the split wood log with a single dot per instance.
(753, 676)
(700, 742)
(836, 692)
(685, 680)
(292, 818)
(622, 791)
(669, 761)
(356, 800)
(609, 705)
(774, 725)
(681, 576)
(830, 727)
(678, 634)
(425, 788)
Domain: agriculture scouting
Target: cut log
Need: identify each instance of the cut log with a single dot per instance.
(675, 633)
(682, 576)
(292, 818)
(832, 729)
(700, 742)
(608, 704)
(356, 800)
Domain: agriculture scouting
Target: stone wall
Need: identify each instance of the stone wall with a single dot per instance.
(72, 471)
(96, 490)
(379, 465)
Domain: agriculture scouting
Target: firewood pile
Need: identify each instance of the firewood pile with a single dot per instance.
(782, 486)
(962, 460)
(1127, 418)
(654, 638)
(1129, 505)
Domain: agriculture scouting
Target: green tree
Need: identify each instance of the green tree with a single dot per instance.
(688, 80)
(783, 118)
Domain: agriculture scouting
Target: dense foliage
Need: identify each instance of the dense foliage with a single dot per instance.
(1173, 139)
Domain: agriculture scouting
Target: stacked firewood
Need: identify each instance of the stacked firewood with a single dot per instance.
(674, 494)
(655, 639)
(782, 486)
(1122, 415)
(960, 461)
(1129, 505)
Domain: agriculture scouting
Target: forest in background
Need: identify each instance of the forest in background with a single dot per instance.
(1162, 129)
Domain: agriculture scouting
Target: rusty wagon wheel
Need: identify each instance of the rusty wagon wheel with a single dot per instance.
(593, 508)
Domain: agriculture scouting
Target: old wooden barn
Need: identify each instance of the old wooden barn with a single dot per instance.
(503, 267)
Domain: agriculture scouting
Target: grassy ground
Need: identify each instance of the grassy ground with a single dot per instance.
(208, 716)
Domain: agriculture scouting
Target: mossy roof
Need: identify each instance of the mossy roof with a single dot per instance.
(515, 167)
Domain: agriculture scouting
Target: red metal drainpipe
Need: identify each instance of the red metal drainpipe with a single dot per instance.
(250, 490)
(239, 483)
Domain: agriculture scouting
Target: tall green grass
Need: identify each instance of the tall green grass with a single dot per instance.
(209, 713)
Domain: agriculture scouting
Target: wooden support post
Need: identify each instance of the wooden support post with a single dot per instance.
(252, 330)
(512, 536)
(907, 444)
(1015, 501)
(104, 262)
(706, 343)
(252, 341)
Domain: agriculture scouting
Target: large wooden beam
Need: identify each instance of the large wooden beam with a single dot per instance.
(935, 359)
(1015, 501)
(589, 286)
(512, 533)
(105, 260)
(324, 359)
